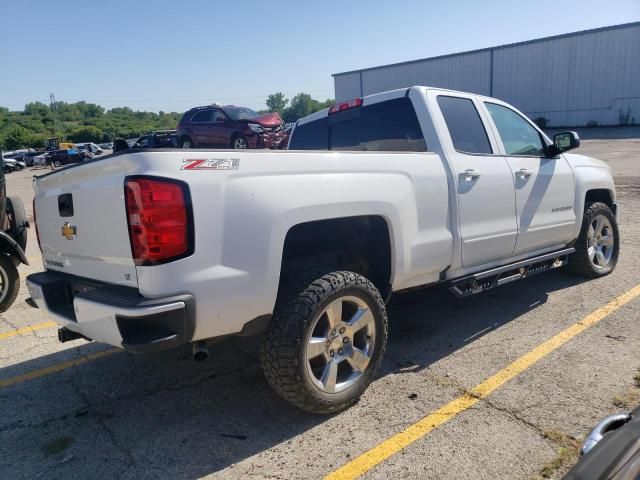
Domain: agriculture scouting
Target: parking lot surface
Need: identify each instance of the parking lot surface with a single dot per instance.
(85, 410)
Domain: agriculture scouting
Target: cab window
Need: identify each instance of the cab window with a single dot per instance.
(518, 136)
(464, 124)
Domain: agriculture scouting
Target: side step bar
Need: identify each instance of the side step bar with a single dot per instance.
(483, 281)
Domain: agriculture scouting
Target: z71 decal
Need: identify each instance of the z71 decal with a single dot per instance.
(210, 164)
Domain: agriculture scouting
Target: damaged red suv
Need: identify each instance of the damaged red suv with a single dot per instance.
(230, 127)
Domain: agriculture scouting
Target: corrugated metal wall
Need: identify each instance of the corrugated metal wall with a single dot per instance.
(571, 80)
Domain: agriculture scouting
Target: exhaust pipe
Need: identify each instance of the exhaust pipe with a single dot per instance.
(200, 351)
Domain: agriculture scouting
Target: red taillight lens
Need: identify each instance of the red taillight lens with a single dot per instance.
(339, 107)
(36, 224)
(159, 220)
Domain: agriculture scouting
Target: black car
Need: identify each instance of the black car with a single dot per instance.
(13, 242)
(612, 450)
(57, 158)
(161, 139)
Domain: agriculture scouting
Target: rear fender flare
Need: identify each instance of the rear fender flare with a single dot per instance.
(10, 246)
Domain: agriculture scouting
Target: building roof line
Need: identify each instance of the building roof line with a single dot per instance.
(488, 49)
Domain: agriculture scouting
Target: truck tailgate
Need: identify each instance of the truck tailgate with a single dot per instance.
(82, 223)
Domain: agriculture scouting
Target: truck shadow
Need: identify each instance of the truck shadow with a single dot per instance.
(164, 415)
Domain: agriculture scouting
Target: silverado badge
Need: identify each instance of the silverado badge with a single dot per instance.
(68, 231)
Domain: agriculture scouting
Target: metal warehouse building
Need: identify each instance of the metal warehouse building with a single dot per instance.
(583, 78)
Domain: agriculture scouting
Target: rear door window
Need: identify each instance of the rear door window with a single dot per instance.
(203, 116)
(464, 124)
(385, 126)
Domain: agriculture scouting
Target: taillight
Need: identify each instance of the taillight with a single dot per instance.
(36, 224)
(340, 107)
(159, 217)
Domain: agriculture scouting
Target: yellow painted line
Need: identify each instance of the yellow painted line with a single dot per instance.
(58, 367)
(396, 443)
(31, 328)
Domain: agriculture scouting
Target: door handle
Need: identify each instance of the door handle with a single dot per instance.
(471, 174)
(524, 173)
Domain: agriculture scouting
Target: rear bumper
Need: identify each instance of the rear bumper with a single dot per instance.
(112, 314)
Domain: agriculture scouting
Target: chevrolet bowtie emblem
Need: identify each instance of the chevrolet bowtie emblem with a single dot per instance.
(68, 231)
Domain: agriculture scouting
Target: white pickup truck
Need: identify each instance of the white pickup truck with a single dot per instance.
(151, 249)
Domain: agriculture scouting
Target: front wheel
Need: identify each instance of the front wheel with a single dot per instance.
(186, 143)
(598, 244)
(325, 341)
(239, 143)
(57, 164)
(9, 282)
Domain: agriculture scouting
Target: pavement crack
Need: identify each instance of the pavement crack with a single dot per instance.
(101, 420)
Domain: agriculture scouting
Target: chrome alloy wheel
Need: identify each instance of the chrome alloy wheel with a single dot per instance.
(341, 344)
(600, 241)
(240, 143)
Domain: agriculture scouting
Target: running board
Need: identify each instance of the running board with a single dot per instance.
(482, 281)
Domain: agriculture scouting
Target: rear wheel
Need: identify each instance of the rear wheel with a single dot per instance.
(598, 245)
(17, 221)
(9, 282)
(186, 143)
(325, 341)
(57, 163)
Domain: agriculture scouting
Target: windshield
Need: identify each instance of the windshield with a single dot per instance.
(240, 113)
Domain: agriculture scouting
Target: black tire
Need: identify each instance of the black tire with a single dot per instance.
(580, 262)
(238, 140)
(17, 221)
(186, 143)
(300, 303)
(57, 163)
(10, 282)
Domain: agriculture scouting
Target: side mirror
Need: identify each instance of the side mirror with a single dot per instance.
(563, 142)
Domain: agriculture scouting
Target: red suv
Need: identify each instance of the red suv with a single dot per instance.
(230, 127)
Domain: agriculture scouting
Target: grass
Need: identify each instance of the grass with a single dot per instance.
(566, 455)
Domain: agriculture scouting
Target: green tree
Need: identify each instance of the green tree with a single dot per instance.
(85, 134)
(276, 102)
(17, 137)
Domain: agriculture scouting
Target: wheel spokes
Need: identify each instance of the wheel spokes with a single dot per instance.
(607, 240)
(601, 259)
(360, 319)
(329, 376)
(334, 314)
(316, 347)
(358, 359)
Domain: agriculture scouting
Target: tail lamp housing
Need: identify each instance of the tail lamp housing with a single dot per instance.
(160, 219)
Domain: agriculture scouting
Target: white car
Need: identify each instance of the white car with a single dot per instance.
(89, 147)
(16, 165)
(408, 188)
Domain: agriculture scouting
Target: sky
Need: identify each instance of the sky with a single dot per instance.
(173, 55)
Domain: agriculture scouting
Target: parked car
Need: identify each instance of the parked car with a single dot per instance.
(58, 158)
(89, 147)
(7, 166)
(106, 145)
(160, 139)
(611, 450)
(413, 187)
(40, 159)
(16, 164)
(230, 127)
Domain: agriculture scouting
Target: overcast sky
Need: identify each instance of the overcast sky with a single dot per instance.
(172, 55)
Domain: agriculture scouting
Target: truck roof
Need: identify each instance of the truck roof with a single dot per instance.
(378, 97)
